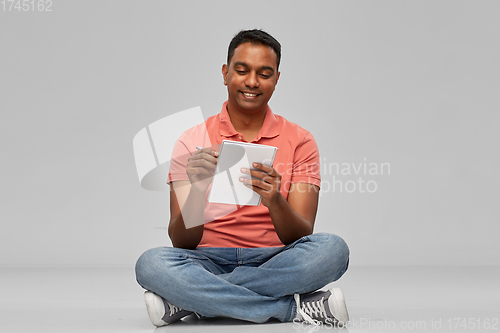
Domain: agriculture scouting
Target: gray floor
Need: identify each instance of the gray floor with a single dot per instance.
(385, 299)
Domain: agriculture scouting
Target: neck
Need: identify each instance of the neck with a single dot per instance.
(246, 121)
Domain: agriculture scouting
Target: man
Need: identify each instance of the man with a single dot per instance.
(256, 262)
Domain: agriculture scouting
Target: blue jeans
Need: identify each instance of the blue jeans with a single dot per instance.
(253, 284)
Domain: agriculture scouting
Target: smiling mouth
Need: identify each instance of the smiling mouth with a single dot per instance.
(250, 95)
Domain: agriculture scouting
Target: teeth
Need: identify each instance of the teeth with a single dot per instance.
(249, 95)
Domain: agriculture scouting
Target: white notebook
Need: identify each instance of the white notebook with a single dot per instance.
(226, 187)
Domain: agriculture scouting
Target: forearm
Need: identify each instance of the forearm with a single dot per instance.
(192, 213)
(289, 225)
(292, 218)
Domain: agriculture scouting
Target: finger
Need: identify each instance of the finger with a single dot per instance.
(268, 177)
(267, 169)
(203, 156)
(260, 174)
(207, 150)
(203, 153)
(199, 174)
(202, 164)
(256, 184)
(248, 183)
(253, 172)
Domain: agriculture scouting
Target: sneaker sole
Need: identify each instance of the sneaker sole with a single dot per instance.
(338, 307)
(155, 307)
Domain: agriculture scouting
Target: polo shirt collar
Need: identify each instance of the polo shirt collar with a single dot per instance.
(269, 128)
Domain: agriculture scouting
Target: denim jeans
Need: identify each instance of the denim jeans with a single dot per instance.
(253, 284)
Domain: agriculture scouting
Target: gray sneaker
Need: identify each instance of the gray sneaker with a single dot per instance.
(161, 312)
(322, 306)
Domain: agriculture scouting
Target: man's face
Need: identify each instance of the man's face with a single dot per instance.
(251, 77)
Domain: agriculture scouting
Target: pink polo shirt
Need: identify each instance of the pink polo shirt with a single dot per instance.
(297, 160)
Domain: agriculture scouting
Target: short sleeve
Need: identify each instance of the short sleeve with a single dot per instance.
(306, 164)
(184, 148)
(179, 161)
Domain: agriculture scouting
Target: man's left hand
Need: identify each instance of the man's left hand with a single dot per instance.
(267, 185)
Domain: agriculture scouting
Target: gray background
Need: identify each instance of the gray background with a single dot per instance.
(411, 83)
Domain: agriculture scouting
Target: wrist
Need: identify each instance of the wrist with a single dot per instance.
(198, 191)
(276, 202)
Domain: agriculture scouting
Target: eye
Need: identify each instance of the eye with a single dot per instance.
(240, 72)
(265, 76)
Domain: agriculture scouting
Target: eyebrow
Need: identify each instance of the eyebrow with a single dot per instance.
(240, 63)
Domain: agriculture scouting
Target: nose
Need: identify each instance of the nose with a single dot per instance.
(252, 80)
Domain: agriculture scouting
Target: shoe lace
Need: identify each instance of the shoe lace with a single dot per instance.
(173, 309)
(310, 310)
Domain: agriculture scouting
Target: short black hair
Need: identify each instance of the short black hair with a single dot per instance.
(255, 36)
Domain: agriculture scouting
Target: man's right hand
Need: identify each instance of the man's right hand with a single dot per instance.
(201, 167)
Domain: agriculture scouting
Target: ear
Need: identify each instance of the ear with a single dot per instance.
(277, 78)
(224, 73)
